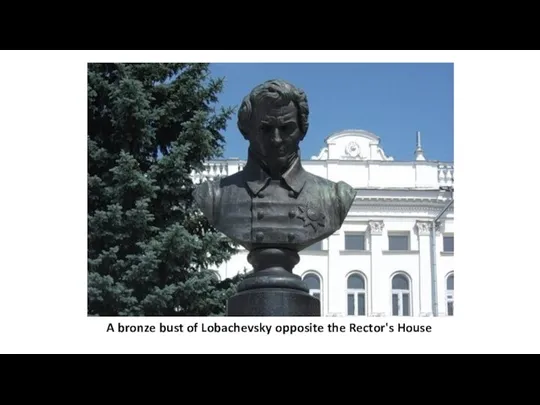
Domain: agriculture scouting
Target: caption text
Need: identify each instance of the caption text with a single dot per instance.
(214, 327)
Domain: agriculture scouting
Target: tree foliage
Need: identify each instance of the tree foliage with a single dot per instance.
(150, 251)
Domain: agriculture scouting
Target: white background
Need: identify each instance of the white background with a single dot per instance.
(43, 212)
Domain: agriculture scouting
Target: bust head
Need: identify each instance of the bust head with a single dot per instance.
(274, 119)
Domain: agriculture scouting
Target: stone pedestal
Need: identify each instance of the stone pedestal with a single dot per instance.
(272, 289)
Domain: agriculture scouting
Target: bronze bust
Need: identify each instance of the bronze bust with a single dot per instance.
(274, 201)
(274, 207)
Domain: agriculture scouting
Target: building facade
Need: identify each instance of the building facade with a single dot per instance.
(393, 256)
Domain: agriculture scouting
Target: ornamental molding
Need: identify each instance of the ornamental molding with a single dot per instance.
(376, 227)
(401, 199)
(432, 211)
(423, 227)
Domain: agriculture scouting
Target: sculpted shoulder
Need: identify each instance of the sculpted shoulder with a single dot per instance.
(208, 195)
(334, 198)
(235, 180)
(339, 192)
(345, 195)
(317, 181)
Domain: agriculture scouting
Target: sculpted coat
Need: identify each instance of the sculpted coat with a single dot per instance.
(255, 211)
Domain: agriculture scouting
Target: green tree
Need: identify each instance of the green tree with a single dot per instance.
(150, 250)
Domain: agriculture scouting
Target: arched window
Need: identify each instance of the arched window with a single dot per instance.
(401, 295)
(450, 295)
(356, 295)
(314, 284)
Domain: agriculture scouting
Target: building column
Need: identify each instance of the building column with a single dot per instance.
(441, 276)
(332, 292)
(422, 287)
(378, 282)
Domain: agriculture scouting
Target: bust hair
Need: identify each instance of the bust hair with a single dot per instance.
(280, 92)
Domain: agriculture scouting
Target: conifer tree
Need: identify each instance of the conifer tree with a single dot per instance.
(150, 251)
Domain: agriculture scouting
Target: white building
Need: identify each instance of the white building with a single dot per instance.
(382, 261)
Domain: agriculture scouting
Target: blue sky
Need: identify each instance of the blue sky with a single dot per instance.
(391, 100)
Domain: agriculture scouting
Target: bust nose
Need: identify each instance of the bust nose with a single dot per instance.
(276, 137)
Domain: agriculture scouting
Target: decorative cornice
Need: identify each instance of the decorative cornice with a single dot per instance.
(376, 227)
(422, 209)
(401, 196)
(400, 203)
(397, 203)
(403, 199)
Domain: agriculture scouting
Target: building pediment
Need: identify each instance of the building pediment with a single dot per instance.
(352, 144)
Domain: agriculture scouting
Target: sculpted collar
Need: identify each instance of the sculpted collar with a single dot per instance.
(257, 179)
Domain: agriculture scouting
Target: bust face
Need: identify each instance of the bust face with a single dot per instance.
(275, 133)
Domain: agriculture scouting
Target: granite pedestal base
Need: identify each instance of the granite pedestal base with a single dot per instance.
(272, 289)
(273, 302)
